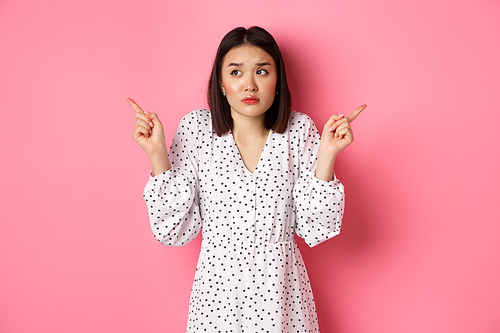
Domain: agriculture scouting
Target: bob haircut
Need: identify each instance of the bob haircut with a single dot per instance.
(278, 114)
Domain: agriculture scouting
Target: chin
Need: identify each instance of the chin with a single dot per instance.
(250, 110)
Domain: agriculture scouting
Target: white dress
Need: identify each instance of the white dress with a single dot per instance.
(250, 275)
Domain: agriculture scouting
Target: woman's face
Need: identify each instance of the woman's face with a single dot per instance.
(249, 80)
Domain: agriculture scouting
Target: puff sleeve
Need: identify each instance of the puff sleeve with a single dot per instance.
(172, 197)
(319, 204)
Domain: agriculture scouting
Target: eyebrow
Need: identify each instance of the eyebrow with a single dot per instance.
(237, 64)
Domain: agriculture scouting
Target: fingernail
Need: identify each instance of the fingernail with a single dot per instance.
(331, 129)
(341, 115)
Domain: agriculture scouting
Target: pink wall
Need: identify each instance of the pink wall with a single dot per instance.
(419, 250)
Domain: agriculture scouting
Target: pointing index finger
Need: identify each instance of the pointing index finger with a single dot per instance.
(134, 105)
(356, 113)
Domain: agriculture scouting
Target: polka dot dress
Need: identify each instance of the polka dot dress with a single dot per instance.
(250, 275)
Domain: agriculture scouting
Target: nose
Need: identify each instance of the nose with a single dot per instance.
(250, 85)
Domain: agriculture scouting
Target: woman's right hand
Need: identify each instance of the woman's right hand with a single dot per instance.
(148, 132)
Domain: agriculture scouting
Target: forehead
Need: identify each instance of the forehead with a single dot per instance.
(247, 54)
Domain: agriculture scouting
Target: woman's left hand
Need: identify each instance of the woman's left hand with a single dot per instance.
(337, 133)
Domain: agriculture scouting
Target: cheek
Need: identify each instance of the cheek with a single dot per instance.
(270, 88)
(231, 94)
(230, 89)
(229, 85)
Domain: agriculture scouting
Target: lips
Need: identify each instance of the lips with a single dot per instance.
(250, 100)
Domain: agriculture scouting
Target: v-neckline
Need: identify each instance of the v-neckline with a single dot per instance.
(237, 150)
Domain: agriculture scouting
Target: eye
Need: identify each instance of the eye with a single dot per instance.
(262, 72)
(236, 72)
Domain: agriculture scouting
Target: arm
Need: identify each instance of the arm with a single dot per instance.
(171, 194)
(172, 197)
(319, 204)
(318, 194)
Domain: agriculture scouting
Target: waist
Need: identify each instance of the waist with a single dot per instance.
(245, 243)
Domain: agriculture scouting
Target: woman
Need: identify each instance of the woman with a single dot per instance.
(250, 173)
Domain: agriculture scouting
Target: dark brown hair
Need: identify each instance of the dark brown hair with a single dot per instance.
(278, 114)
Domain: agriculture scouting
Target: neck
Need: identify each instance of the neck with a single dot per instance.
(249, 128)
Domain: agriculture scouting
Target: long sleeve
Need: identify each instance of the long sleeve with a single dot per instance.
(319, 204)
(172, 197)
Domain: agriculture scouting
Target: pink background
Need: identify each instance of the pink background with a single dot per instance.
(420, 248)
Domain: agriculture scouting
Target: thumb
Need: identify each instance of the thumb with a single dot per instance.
(154, 119)
(330, 124)
(333, 119)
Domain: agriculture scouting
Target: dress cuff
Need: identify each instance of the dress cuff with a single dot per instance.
(160, 174)
(325, 182)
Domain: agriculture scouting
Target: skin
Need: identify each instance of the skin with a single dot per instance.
(149, 134)
(247, 71)
(337, 135)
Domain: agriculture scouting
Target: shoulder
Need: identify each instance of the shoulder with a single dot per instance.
(200, 120)
(198, 116)
(300, 122)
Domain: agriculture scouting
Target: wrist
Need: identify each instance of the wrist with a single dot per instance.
(325, 167)
(161, 152)
(159, 161)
